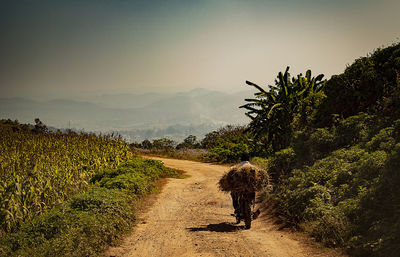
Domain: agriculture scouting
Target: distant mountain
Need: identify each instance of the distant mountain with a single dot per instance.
(125, 101)
(193, 111)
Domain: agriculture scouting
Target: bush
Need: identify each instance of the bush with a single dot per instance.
(281, 163)
(355, 129)
(260, 162)
(310, 147)
(328, 196)
(332, 228)
(383, 140)
(227, 144)
(378, 224)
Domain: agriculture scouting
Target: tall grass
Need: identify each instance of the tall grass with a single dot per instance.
(40, 169)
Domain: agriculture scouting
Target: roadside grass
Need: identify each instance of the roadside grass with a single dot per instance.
(181, 154)
(88, 223)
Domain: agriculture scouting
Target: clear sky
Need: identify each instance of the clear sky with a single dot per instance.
(56, 49)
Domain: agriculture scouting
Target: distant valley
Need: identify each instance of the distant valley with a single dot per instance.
(135, 116)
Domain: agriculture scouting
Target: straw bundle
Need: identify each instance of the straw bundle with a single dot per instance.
(243, 178)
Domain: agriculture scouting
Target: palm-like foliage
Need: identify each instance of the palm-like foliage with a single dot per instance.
(271, 111)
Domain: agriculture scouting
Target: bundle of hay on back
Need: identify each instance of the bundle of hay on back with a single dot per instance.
(243, 178)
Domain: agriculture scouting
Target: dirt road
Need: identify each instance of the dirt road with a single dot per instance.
(190, 217)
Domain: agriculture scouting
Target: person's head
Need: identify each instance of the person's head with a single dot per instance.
(244, 157)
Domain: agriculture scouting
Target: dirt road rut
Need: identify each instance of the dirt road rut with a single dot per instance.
(190, 217)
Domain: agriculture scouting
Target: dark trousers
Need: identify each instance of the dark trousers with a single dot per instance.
(246, 198)
(235, 201)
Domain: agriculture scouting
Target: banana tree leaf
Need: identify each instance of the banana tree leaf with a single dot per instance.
(272, 109)
(319, 77)
(308, 75)
(256, 86)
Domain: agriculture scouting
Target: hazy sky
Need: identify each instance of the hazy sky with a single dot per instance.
(67, 48)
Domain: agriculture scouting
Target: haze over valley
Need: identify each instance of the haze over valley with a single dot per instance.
(135, 116)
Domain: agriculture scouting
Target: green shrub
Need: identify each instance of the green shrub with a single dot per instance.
(377, 230)
(260, 162)
(136, 183)
(228, 153)
(332, 228)
(321, 142)
(310, 147)
(281, 163)
(328, 196)
(227, 144)
(355, 129)
(383, 140)
(82, 227)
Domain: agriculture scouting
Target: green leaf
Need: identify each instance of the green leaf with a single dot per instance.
(319, 77)
(272, 109)
(256, 86)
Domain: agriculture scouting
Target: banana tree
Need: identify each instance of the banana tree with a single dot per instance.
(272, 110)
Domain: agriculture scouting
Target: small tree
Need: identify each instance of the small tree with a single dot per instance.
(39, 126)
(228, 144)
(163, 144)
(146, 144)
(189, 142)
(135, 145)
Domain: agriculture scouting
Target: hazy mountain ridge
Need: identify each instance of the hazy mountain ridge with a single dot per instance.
(192, 111)
(124, 101)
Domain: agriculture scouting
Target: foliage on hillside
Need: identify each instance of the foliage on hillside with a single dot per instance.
(227, 144)
(334, 154)
(370, 85)
(41, 169)
(88, 222)
(335, 193)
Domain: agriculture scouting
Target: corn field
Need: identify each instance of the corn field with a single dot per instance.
(39, 170)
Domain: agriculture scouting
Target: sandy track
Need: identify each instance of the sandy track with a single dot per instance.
(190, 217)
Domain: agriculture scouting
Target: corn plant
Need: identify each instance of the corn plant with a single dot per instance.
(41, 170)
